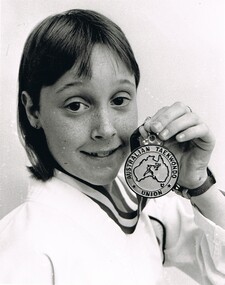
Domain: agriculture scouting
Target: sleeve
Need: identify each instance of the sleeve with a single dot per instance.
(193, 243)
(21, 262)
(19, 265)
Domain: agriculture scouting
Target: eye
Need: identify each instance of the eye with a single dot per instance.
(121, 101)
(77, 107)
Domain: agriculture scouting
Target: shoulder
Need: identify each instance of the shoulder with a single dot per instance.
(52, 211)
(21, 259)
(32, 234)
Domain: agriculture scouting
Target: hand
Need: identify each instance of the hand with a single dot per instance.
(187, 137)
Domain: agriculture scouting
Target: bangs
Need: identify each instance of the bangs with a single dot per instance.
(67, 40)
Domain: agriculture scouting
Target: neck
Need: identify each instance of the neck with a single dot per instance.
(109, 187)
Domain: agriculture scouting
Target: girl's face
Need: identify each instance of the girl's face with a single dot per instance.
(88, 122)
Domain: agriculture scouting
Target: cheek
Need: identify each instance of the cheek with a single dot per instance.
(132, 118)
(128, 124)
(63, 137)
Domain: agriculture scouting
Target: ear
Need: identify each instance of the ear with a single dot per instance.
(32, 113)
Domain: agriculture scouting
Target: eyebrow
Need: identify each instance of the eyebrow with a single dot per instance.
(70, 84)
(80, 83)
(126, 81)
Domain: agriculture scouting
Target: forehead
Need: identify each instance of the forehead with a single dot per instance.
(104, 66)
(106, 71)
(104, 62)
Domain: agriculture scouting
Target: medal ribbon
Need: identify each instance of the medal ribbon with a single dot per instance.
(134, 204)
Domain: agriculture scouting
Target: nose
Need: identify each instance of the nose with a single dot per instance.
(103, 127)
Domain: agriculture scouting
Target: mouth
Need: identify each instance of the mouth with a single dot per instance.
(101, 154)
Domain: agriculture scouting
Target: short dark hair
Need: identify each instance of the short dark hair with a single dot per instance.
(54, 46)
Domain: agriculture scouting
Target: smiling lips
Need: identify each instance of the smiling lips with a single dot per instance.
(101, 154)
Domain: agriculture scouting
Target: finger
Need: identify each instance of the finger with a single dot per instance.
(159, 112)
(147, 122)
(200, 131)
(179, 125)
(159, 122)
(143, 131)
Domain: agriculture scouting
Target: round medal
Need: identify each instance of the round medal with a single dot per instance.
(151, 170)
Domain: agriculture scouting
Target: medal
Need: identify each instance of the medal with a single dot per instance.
(151, 170)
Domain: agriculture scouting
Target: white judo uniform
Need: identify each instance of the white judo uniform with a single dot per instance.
(64, 234)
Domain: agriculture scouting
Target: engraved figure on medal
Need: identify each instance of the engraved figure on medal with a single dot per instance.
(151, 170)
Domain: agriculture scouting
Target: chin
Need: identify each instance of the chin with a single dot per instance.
(102, 178)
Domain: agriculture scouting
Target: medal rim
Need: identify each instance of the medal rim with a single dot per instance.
(137, 192)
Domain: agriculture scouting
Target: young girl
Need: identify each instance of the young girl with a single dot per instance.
(81, 224)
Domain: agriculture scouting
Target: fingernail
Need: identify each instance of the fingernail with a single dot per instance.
(157, 126)
(164, 133)
(181, 137)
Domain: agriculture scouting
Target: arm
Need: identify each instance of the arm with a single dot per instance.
(194, 244)
(191, 141)
(212, 205)
(197, 248)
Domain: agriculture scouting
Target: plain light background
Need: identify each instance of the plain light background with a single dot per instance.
(179, 45)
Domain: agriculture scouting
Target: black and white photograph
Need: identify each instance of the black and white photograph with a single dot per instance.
(112, 135)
